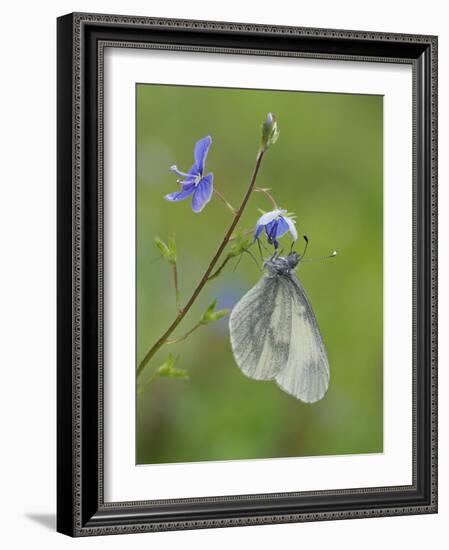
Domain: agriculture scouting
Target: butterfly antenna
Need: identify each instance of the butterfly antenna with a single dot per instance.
(306, 238)
(334, 253)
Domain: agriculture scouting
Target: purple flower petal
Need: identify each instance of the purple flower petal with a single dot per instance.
(276, 225)
(270, 229)
(203, 193)
(281, 228)
(258, 231)
(270, 216)
(201, 149)
(186, 191)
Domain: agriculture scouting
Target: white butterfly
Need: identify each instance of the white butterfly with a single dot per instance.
(275, 336)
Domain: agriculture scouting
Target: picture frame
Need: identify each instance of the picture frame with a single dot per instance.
(81, 506)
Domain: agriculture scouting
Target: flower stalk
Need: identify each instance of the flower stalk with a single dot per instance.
(267, 193)
(224, 201)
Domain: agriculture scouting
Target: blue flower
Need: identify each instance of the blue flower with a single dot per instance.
(276, 224)
(194, 183)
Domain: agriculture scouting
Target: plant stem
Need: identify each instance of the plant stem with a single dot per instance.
(184, 336)
(175, 280)
(161, 341)
(217, 272)
(221, 197)
(268, 195)
(140, 389)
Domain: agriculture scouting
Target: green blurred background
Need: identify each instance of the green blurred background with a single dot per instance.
(327, 168)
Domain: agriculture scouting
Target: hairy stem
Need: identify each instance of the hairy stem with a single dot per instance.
(183, 312)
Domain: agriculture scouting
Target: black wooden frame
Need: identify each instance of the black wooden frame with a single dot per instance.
(81, 509)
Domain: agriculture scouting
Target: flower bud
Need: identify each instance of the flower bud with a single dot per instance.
(168, 251)
(270, 131)
(168, 370)
(211, 314)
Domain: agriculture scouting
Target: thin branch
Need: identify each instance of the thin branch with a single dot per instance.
(150, 380)
(222, 198)
(184, 336)
(267, 193)
(217, 272)
(175, 281)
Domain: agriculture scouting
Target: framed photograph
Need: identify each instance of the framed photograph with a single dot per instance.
(247, 279)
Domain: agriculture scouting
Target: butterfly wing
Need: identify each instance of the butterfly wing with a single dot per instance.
(274, 335)
(260, 329)
(306, 372)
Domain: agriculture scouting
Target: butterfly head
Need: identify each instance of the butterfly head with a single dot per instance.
(280, 265)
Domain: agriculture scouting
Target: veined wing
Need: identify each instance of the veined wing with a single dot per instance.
(306, 372)
(260, 328)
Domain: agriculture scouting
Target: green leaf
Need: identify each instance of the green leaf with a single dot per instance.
(220, 314)
(163, 248)
(239, 245)
(209, 311)
(172, 248)
(168, 370)
(211, 315)
(168, 251)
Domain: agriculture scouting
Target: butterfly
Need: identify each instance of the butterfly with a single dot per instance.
(275, 336)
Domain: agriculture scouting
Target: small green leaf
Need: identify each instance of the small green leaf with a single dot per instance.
(163, 248)
(167, 251)
(182, 374)
(167, 365)
(168, 370)
(239, 245)
(211, 315)
(172, 248)
(217, 315)
(209, 311)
